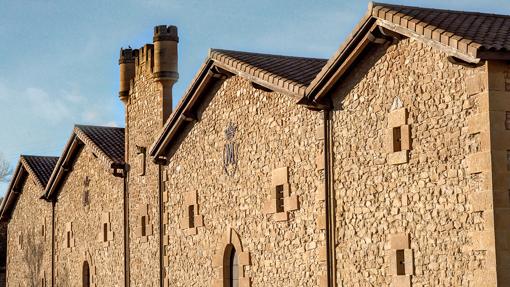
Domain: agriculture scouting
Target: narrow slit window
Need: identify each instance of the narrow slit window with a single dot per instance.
(68, 239)
(401, 270)
(105, 232)
(191, 216)
(507, 121)
(144, 226)
(279, 198)
(232, 278)
(397, 139)
(42, 230)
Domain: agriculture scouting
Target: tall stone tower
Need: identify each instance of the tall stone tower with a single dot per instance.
(147, 76)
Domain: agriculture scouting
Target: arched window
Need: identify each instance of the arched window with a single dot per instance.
(231, 267)
(86, 274)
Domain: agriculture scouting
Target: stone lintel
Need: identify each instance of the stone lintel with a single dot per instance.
(280, 176)
(399, 241)
(397, 118)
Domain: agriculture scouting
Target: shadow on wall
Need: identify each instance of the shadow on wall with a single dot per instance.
(353, 77)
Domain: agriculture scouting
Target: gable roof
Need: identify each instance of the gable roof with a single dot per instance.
(464, 36)
(107, 143)
(286, 74)
(472, 33)
(290, 73)
(40, 167)
(468, 36)
(107, 140)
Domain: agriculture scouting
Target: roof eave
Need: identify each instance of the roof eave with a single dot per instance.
(11, 196)
(321, 81)
(61, 168)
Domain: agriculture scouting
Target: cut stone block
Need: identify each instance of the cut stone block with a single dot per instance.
(405, 138)
(481, 201)
(397, 118)
(399, 241)
(319, 132)
(401, 281)
(281, 216)
(398, 157)
(321, 222)
(476, 84)
(280, 176)
(291, 203)
(244, 258)
(478, 162)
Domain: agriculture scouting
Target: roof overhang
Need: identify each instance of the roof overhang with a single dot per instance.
(69, 156)
(210, 74)
(393, 24)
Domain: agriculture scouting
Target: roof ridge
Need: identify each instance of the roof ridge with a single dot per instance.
(96, 126)
(212, 50)
(40, 156)
(372, 5)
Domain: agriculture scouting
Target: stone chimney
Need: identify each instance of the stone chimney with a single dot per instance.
(165, 64)
(127, 71)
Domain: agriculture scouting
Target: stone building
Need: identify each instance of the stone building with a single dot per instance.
(386, 165)
(28, 254)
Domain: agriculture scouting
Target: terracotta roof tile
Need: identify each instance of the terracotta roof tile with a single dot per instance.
(109, 140)
(474, 30)
(42, 166)
(284, 71)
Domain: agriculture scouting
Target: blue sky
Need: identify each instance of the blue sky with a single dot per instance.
(58, 63)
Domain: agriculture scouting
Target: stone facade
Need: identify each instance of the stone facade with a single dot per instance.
(29, 239)
(143, 123)
(268, 132)
(397, 176)
(425, 197)
(89, 225)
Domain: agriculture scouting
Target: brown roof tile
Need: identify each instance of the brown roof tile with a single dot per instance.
(42, 166)
(474, 31)
(110, 140)
(287, 72)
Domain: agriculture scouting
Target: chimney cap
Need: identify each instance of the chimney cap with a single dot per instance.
(165, 33)
(127, 55)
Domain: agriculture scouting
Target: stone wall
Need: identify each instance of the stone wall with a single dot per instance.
(143, 123)
(90, 198)
(266, 132)
(380, 203)
(29, 238)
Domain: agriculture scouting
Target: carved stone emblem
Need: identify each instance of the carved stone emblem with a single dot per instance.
(230, 151)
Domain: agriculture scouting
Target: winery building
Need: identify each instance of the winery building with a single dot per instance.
(386, 165)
